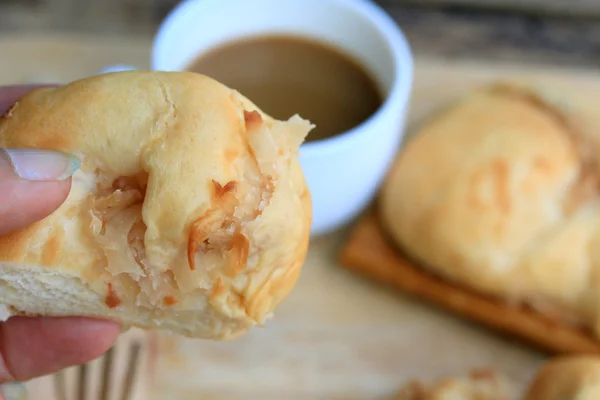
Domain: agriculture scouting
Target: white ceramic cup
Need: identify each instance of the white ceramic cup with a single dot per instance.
(343, 172)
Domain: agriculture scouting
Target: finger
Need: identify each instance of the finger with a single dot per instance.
(32, 347)
(33, 183)
(10, 94)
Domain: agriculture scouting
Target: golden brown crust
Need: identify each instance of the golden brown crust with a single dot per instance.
(563, 378)
(500, 193)
(188, 196)
(567, 378)
(481, 384)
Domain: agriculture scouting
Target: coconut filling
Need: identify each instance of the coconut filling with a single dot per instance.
(118, 228)
(219, 247)
(220, 261)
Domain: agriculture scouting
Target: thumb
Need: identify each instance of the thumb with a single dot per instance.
(33, 183)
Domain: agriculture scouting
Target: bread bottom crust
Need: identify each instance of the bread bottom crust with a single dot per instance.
(32, 291)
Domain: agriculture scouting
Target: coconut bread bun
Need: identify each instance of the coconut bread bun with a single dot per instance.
(190, 212)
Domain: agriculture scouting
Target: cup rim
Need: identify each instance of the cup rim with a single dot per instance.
(399, 47)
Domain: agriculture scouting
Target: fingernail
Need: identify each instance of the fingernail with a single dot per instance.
(42, 165)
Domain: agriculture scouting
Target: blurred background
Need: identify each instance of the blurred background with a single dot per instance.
(556, 31)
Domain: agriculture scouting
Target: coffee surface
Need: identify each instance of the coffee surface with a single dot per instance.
(288, 75)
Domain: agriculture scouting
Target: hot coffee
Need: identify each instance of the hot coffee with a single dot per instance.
(285, 75)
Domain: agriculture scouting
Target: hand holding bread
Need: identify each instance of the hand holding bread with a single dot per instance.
(189, 213)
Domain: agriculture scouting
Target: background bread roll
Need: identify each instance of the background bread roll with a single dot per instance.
(478, 385)
(190, 212)
(500, 193)
(568, 378)
(565, 378)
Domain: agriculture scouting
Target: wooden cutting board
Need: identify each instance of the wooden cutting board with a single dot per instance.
(337, 336)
